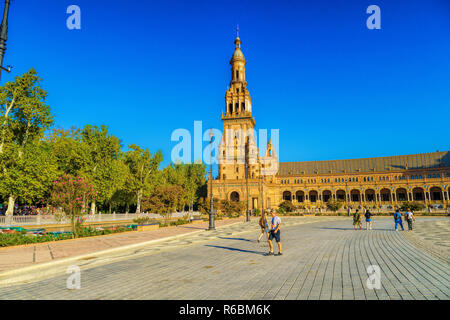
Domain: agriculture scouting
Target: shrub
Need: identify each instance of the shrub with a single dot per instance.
(287, 206)
(281, 210)
(334, 205)
(141, 220)
(413, 206)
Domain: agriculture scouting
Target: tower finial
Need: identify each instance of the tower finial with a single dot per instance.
(237, 31)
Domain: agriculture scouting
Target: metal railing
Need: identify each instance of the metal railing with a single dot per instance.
(54, 219)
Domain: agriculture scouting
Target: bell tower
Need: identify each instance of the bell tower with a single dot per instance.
(238, 124)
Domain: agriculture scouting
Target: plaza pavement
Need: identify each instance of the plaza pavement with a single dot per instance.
(324, 258)
(26, 255)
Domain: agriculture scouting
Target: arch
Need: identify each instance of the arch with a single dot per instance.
(385, 195)
(326, 195)
(418, 194)
(313, 196)
(401, 194)
(369, 195)
(287, 196)
(436, 194)
(300, 196)
(355, 195)
(340, 195)
(234, 196)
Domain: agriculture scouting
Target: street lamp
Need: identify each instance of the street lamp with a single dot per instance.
(246, 176)
(211, 206)
(3, 36)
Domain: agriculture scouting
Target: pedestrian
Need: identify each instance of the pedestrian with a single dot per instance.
(398, 220)
(264, 226)
(275, 233)
(349, 211)
(357, 219)
(368, 216)
(410, 218)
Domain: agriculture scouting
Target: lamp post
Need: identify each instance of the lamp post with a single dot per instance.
(3, 37)
(246, 177)
(211, 204)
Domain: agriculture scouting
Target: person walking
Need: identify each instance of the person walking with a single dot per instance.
(264, 226)
(410, 218)
(398, 220)
(368, 216)
(357, 219)
(275, 233)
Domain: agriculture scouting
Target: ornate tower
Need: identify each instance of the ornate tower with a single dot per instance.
(238, 124)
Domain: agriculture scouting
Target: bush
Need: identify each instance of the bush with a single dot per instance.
(141, 220)
(334, 205)
(287, 206)
(19, 238)
(281, 210)
(413, 206)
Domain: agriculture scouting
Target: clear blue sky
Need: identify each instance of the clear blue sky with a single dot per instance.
(335, 89)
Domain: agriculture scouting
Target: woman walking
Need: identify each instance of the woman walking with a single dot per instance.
(264, 226)
(357, 219)
(368, 216)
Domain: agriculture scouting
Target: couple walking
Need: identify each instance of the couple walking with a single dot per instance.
(357, 219)
(274, 232)
(409, 217)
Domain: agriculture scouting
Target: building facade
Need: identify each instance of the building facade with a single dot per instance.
(375, 182)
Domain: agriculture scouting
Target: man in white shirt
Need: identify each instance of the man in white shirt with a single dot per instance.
(410, 218)
(275, 233)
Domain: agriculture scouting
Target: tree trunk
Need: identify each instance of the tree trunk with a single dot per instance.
(93, 207)
(138, 202)
(73, 227)
(110, 208)
(11, 202)
(127, 208)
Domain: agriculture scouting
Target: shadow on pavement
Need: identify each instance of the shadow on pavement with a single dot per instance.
(363, 229)
(241, 239)
(235, 249)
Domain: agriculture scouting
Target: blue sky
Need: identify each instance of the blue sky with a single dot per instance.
(334, 89)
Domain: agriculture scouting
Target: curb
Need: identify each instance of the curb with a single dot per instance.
(33, 272)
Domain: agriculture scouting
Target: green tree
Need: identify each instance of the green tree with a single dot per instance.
(334, 205)
(413, 206)
(102, 165)
(142, 166)
(70, 193)
(24, 117)
(287, 206)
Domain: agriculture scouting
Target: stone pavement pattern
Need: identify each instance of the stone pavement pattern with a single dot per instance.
(323, 260)
(431, 235)
(21, 256)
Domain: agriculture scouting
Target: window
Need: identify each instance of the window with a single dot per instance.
(237, 74)
(242, 106)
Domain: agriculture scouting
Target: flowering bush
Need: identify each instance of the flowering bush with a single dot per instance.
(72, 194)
